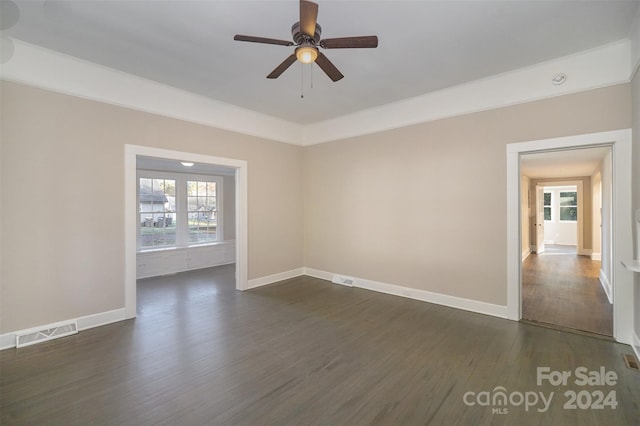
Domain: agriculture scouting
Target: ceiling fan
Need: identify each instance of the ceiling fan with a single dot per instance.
(306, 36)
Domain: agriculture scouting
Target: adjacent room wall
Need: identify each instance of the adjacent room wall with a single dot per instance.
(525, 201)
(424, 206)
(596, 217)
(229, 207)
(63, 203)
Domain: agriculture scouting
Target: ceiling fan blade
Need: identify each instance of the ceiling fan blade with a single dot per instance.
(282, 67)
(364, 42)
(308, 17)
(325, 65)
(264, 40)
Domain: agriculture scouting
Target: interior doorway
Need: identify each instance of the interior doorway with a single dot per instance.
(621, 283)
(133, 221)
(561, 282)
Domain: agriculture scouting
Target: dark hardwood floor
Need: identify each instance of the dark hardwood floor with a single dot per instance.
(302, 352)
(562, 288)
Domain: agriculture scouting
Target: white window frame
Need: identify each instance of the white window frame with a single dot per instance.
(182, 222)
(560, 219)
(550, 206)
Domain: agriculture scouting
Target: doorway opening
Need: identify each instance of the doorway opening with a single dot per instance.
(562, 285)
(177, 221)
(615, 222)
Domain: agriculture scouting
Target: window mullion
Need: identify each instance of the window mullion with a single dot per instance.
(182, 238)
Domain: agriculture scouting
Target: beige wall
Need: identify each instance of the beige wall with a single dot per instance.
(425, 206)
(63, 204)
(596, 215)
(421, 206)
(229, 207)
(587, 213)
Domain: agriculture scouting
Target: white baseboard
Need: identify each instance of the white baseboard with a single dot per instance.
(526, 254)
(270, 279)
(316, 273)
(596, 256)
(8, 340)
(585, 252)
(103, 318)
(422, 295)
(606, 286)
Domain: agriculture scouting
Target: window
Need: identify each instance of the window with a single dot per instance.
(202, 213)
(569, 206)
(177, 209)
(157, 199)
(547, 206)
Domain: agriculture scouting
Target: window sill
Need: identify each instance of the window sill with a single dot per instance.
(176, 248)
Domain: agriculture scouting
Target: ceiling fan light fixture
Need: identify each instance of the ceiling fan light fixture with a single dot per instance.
(307, 54)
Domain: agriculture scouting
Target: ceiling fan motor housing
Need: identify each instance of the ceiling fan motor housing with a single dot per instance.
(300, 38)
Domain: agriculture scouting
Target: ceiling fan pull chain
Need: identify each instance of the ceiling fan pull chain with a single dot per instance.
(301, 81)
(311, 75)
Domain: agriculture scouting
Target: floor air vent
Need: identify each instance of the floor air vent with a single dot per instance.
(53, 331)
(338, 279)
(631, 362)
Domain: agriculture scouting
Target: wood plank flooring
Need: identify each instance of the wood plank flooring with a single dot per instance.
(303, 352)
(562, 288)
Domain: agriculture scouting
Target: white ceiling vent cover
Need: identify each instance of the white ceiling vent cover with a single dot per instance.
(48, 332)
(339, 279)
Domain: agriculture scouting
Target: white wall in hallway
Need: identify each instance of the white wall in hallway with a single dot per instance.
(555, 230)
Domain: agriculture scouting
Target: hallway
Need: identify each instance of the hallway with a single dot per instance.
(561, 288)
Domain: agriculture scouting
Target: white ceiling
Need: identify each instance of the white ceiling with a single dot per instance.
(424, 45)
(562, 164)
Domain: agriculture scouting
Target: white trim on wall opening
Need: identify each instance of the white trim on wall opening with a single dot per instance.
(622, 280)
(131, 217)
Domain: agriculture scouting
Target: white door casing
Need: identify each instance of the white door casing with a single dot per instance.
(131, 219)
(539, 219)
(622, 246)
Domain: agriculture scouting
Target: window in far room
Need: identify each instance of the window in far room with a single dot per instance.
(202, 211)
(547, 206)
(569, 206)
(157, 213)
(178, 210)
